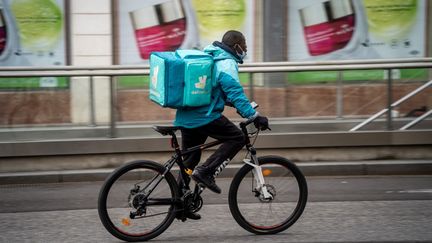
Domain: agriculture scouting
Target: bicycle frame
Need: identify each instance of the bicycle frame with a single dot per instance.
(177, 158)
(253, 161)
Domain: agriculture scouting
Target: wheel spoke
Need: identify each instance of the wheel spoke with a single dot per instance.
(136, 203)
(283, 181)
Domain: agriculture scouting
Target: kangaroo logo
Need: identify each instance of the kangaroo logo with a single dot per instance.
(155, 75)
(201, 83)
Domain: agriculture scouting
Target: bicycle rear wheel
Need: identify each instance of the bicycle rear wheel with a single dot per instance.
(137, 203)
(284, 182)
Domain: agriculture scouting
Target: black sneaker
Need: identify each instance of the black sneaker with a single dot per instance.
(206, 179)
(194, 216)
(181, 215)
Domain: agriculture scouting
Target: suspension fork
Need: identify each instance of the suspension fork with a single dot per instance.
(257, 172)
(253, 161)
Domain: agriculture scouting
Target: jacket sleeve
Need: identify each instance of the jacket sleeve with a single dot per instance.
(230, 84)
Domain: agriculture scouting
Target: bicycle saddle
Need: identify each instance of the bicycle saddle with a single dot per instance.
(165, 130)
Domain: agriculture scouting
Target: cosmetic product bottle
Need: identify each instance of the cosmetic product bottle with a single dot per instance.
(358, 47)
(318, 29)
(349, 38)
(149, 32)
(159, 27)
(10, 51)
(3, 33)
(343, 19)
(174, 24)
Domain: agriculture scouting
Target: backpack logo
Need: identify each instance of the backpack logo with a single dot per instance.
(201, 83)
(155, 75)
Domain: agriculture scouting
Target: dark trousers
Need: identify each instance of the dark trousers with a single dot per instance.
(220, 129)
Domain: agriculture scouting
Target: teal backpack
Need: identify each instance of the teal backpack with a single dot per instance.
(181, 79)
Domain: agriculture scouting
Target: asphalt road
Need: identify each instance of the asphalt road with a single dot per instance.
(340, 209)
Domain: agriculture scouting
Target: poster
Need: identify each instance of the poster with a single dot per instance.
(168, 25)
(32, 33)
(397, 28)
(351, 29)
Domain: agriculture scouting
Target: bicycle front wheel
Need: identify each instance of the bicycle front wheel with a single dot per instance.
(136, 202)
(257, 214)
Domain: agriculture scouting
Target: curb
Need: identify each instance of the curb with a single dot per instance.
(358, 168)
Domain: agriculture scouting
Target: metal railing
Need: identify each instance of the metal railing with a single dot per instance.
(263, 67)
(254, 64)
(266, 67)
(395, 104)
(417, 120)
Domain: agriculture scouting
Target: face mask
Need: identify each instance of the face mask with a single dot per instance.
(243, 54)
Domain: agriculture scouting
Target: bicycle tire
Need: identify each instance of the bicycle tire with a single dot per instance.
(143, 168)
(278, 165)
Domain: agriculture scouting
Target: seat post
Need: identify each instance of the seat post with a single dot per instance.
(174, 143)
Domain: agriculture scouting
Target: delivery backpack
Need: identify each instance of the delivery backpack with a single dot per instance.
(181, 79)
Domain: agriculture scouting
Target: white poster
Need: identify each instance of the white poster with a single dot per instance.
(168, 25)
(354, 29)
(397, 28)
(32, 33)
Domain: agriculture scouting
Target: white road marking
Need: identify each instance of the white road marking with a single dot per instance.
(412, 191)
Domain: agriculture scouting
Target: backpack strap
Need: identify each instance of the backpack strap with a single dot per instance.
(212, 105)
(213, 102)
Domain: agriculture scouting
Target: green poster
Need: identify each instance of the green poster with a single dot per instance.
(34, 36)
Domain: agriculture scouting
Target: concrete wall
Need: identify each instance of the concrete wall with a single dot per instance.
(97, 161)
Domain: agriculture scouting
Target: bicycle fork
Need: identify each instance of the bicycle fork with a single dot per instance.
(259, 178)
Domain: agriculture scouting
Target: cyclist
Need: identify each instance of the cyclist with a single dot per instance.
(199, 123)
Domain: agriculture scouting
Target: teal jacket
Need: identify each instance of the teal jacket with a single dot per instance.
(226, 90)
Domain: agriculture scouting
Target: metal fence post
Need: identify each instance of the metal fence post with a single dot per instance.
(113, 103)
(92, 103)
(389, 101)
(251, 87)
(339, 96)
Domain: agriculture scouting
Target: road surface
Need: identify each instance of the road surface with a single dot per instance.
(340, 209)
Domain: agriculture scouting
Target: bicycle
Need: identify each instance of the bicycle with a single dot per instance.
(139, 200)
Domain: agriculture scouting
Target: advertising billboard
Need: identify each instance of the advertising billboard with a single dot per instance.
(32, 33)
(354, 29)
(168, 25)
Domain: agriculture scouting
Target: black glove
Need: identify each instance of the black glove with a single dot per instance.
(261, 122)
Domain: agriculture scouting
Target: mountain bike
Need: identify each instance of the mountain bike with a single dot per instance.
(139, 200)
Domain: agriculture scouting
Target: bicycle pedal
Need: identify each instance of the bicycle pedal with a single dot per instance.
(181, 216)
(183, 219)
